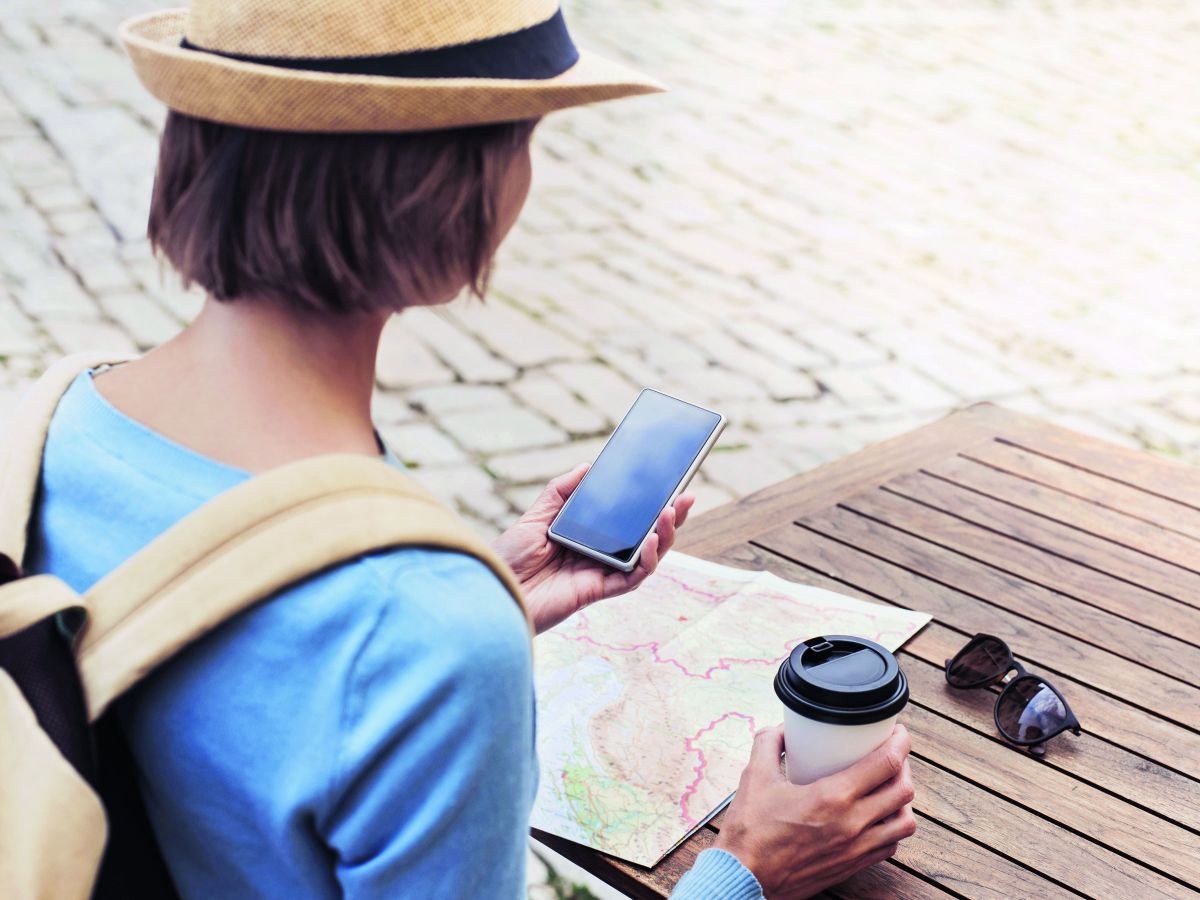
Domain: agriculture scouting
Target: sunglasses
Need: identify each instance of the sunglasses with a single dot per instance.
(1030, 710)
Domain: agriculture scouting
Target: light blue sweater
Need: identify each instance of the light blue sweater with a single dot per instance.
(366, 733)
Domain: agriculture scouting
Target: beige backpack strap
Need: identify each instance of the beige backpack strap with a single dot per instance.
(249, 543)
(24, 443)
(26, 601)
(52, 821)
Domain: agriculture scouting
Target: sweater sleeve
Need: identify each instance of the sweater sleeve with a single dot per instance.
(435, 775)
(717, 875)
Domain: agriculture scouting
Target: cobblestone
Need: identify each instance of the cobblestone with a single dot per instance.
(844, 220)
(421, 444)
(603, 388)
(140, 317)
(487, 431)
(455, 347)
(744, 470)
(448, 398)
(552, 399)
(471, 490)
(539, 466)
(405, 361)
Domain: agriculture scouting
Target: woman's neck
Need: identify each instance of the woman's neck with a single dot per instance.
(254, 385)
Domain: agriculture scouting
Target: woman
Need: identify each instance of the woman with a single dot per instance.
(370, 731)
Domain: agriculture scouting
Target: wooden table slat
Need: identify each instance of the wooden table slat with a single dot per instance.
(1168, 515)
(887, 882)
(1133, 603)
(971, 870)
(1180, 658)
(990, 509)
(1048, 496)
(1151, 475)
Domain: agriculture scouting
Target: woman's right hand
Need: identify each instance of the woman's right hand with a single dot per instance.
(800, 839)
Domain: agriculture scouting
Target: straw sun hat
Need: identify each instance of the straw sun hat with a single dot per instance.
(369, 65)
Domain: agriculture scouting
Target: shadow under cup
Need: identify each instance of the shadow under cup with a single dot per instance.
(841, 696)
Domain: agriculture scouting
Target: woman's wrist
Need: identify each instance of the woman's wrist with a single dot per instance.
(717, 875)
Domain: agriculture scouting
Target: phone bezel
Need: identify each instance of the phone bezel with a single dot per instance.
(699, 458)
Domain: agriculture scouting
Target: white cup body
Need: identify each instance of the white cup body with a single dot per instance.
(816, 749)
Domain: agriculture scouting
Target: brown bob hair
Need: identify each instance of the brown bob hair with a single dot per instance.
(331, 223)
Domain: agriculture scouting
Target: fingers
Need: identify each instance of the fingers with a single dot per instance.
(841, 872)
(683, 505)
(875, 856)
(766, 754)
(887, 798)
(881, 765)
(555, 494)
(666, 529)
(657, 544)
(616, 583)
(890, 831)
(648, 561)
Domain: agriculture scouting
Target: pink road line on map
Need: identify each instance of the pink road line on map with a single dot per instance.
(723, 662)
(698, 770)
(690, 589)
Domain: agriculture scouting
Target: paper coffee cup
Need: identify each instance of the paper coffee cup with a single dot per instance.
(841, 696)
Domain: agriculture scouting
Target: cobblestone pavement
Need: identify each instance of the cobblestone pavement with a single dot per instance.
(846, 219)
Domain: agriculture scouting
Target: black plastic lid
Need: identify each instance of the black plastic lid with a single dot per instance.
(843, 680)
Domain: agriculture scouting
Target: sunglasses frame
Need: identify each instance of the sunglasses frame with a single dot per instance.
(1036, 747)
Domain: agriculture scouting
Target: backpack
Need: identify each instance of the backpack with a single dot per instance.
(71, 820)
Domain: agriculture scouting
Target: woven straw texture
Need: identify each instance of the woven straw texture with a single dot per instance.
(365, 28)
(257, 96)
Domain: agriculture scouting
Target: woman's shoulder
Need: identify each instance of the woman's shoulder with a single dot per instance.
(377, 637)
(405, 609)
(441, 591)
(411, 602)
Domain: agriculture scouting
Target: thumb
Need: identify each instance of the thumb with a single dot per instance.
(766, 752)
(562, 486)
(556, 492)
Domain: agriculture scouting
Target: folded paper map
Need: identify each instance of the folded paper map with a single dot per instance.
(648, 703)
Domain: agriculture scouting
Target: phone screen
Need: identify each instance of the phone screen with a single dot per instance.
(635, 474)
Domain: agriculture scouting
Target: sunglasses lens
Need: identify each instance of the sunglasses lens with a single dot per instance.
(980, 662)
(1028, 711)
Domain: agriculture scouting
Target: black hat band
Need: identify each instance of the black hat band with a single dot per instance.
(538, 52)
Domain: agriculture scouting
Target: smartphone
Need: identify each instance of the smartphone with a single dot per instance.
(645, 464)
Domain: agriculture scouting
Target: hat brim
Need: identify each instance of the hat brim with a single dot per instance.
(227, 90)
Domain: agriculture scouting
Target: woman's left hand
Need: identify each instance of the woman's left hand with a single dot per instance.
(558, 581)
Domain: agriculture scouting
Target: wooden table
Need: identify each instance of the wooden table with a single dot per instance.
(1085, 558)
